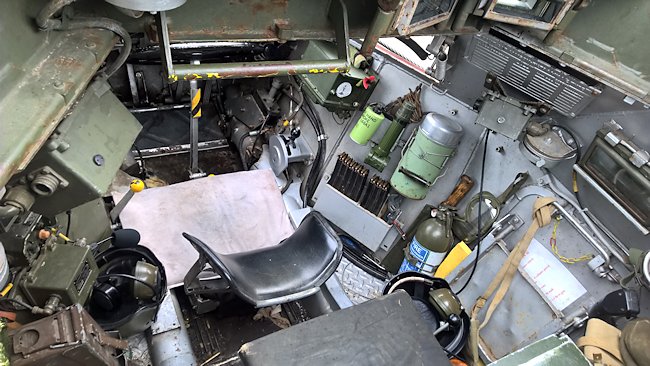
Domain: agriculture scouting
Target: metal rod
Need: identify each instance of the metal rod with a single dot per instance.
(379, 26)
(166, 107)
(180, 149)
(582, 231)
(258, 69)
(195, 114)
(587, 220)
(117, 210)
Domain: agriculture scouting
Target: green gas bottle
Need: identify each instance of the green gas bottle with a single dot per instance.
(430, 244)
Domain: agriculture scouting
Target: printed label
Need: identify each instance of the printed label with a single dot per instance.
(427, 260)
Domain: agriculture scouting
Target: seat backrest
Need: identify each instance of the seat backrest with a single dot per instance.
(296, 266)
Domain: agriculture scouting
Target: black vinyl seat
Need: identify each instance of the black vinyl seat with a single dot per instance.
(291, 270)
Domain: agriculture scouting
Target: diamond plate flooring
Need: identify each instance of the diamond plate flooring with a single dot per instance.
(357, 284)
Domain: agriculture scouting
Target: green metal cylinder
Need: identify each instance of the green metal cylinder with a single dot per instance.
(378, 156)
(367, 124)
(379, 27)
(426, 156)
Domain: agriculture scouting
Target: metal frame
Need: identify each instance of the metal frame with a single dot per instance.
(403, 23)
(592, 182)
(338, 16)
(501, 17)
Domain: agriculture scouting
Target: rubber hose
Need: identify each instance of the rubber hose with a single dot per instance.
(415, 47)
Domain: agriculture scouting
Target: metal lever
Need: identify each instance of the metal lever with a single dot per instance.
(136, 186)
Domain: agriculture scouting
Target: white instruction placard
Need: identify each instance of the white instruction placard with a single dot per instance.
(550, 277)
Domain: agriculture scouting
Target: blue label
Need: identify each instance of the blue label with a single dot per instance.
(406, 266)
(427, 260)
(418, 251)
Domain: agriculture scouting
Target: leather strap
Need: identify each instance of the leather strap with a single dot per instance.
(600, 343)
(501, 283)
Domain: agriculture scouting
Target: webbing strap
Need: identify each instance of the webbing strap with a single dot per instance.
(542, 211)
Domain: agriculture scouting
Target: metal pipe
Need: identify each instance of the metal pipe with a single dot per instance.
(466, 9)
(590, 224)
(195, 114)
(44, 18)
(582, 231)
(258, 69)
(108, 24)
(379, 26)
(441, 67)
(159, 108)
(8, 211)
(180, 149)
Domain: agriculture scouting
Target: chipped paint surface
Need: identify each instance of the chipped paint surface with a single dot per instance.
(50, 81)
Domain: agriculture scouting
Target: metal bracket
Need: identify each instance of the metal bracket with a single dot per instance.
(584, 175)
(338, 16)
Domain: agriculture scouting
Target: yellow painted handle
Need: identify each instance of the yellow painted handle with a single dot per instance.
(136, 186)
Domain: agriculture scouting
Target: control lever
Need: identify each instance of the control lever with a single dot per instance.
(295, 133)
(136, 186)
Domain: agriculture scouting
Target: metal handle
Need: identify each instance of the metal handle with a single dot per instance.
(460, 191)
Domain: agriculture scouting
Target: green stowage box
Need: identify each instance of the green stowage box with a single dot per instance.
(335, 91)
(61, 269)
(86, 150)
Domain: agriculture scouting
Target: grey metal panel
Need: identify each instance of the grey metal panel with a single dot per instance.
(566, 93)
(349, 216)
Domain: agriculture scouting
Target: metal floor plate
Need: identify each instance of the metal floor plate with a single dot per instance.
(357, 284)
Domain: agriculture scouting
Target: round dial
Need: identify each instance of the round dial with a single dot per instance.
(344, 89)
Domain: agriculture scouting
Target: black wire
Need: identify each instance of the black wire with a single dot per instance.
(67, 230)
(312, 179)
(341, 122)
(124, 275)
(16, 301)
(480, 204)
(366, 265)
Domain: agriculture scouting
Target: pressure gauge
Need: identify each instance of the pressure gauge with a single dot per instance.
(344, 89)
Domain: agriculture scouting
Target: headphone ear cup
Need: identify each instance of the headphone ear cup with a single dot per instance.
(106, 296)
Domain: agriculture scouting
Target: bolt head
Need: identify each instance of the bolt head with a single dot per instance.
(98, 160)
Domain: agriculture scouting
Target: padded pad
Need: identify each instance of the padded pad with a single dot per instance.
(293, 269)
(384, 331)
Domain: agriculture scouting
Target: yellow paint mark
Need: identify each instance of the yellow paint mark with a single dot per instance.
(214, 75)
(333, 70)
(267, 75)
(7, 289)
(173, 77)
(197, 115)
(196, 99)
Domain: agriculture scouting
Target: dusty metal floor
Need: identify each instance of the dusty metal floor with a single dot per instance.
(217, 336)
(173, 169)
